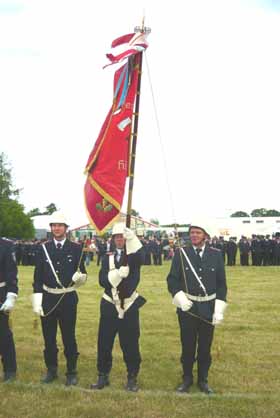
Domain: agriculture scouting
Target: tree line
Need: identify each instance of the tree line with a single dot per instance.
(14, 222)
(262, 212)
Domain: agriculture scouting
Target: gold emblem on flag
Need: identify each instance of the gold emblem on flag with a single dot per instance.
(105, 206)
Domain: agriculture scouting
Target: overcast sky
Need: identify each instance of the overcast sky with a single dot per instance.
(214, 69)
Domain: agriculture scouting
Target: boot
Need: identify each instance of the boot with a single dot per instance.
(185, 385)
(102, 382)
(71, 378)
(131, 385)
(202, 384)
(71, 374)
(50, 376)
(9, 376)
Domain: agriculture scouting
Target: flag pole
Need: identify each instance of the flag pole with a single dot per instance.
(134, 131)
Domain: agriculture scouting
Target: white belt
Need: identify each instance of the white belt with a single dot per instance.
(57, 291)
(2, 284)
(127, 303)
(201, 298)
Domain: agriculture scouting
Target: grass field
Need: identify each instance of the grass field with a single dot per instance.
(246, 356)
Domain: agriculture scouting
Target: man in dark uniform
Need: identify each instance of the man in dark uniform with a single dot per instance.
(59, 271)
(197, 283)
(244, 250)
(8, 295)
(231, 251)
(276, 250)
(267, 250)
(119, 308)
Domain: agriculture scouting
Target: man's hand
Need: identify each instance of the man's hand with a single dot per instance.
(181, 301)
(9, 303)
(79, 279)
(133, 243)
(218, 316)
(37, 299)
(124, 271)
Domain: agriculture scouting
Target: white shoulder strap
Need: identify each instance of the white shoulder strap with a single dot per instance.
(193, 270)
(52, 267)
(112, 262)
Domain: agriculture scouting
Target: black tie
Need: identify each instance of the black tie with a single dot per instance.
(198, 251)
(58, 246)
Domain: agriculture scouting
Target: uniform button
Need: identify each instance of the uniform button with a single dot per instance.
(58, 262)
(200, 269)
(57, 271)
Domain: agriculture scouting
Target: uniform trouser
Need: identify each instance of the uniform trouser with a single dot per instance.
(128, 330)
(266, 259)
(64, 316)
(7, 345)
(230, 259)
(196, 339)
(244, 259)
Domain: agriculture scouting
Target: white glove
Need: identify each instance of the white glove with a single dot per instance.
(133, 244)
(128, 234)
(114, 277)
(181, 301)
(9, 303)
(79, 279)
(218, 316)
(37, 299)
(124, 271)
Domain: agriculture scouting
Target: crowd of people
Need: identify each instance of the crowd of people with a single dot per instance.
(255, 251)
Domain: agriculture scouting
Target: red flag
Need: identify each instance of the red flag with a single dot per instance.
(108, 163)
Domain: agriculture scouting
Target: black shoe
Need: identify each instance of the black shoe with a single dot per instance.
(185, 385)
(203, 387)
(102, 382)
(9, 376)
(71, 379)
(51, 375)
(131, 385)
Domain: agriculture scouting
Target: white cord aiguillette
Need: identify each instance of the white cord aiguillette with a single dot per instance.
(52, 267)
(193, 270)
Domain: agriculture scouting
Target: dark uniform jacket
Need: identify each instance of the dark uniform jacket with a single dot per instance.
(128, 284)
(65, 262)
(211, 272)
(8, 269)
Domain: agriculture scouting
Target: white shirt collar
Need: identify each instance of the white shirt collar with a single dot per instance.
(202, 250)
(59, 242)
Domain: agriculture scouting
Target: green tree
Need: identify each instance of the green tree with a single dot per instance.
(6, 185)
(239, 214)
(134, 213)
(34, 212)
(259, 212)
(154, 221)
(50, 209)
(272, 212)
(14, 223)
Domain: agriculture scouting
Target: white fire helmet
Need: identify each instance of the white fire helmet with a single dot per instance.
(118, 228)
(201, 224)
(58, 218)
